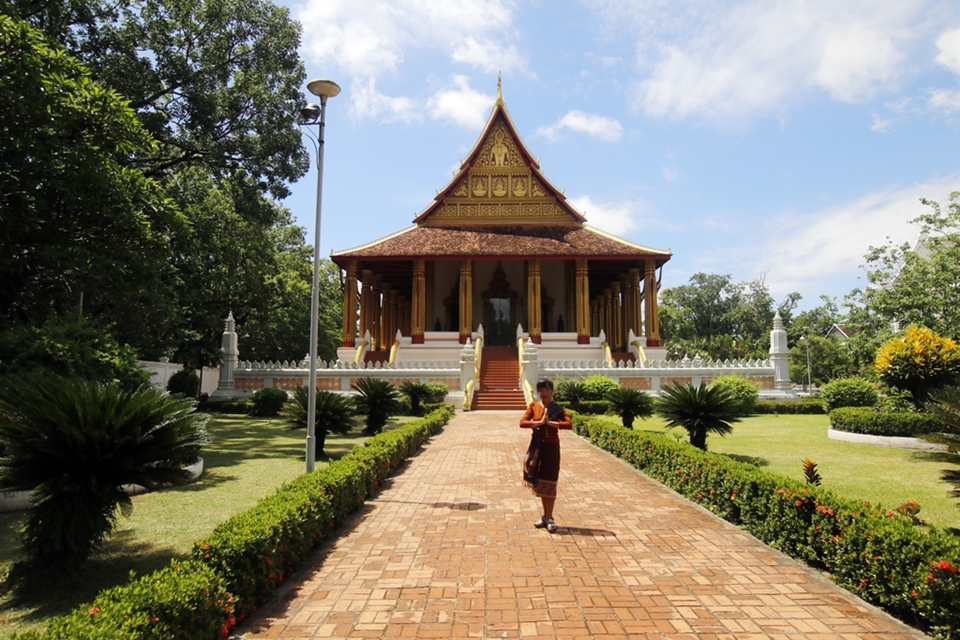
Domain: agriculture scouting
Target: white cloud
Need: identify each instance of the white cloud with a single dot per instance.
(370, 103)
(365, 39)
(740, 59)
(461, 104)
(806, 250)
(614, 217)
(880, 125)
(670, 174)
(944, 100)
(948, 45)
(488, 56)
(595, 126)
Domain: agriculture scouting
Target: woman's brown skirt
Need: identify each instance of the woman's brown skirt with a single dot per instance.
(546, 486)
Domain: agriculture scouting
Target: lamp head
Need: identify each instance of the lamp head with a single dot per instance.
(310, 113)
(323, 88)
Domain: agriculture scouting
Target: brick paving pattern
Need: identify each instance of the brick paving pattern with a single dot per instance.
(448, 550)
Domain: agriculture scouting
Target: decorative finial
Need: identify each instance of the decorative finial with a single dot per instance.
(499, 90)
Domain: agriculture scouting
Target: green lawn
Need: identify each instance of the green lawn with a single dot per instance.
(875, 474)
(248, 459)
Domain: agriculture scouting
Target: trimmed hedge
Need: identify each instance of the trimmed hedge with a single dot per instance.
(870, 422)
(593, 407)
(910, 571)
(806, 406)
(245, 559)
(185, 600)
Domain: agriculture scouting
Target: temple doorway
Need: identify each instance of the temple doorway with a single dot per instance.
(500, 310)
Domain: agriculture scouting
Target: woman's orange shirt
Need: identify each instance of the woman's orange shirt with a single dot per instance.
(534, 414)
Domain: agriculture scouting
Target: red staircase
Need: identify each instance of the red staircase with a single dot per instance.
(499, 386)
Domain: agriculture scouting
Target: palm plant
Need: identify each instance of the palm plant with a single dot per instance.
(377, 399)
(572, 392)
(946, 406)
(629, 404)
(417, 392)
(75, 444)
(334, 414)
(700, 410)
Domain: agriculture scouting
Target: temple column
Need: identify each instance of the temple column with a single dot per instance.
(466, 300)
(365, 293)
(405, 320)
(601, 315)
(534, 321)
(627, 320)
(394, 316)
(650, 298)
(636, 324)
(384, 334)
(583, 312)
(419, 307)
(608, 315)
(616, 340)
(375, 311)
(350, 306)
(594, 318)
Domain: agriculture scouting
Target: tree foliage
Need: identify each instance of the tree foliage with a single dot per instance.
(920, 285)
(77, 217)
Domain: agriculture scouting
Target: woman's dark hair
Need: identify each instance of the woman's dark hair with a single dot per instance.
(545, 384)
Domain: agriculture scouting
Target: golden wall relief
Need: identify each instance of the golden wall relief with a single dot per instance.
(500, 150)
(501, 211)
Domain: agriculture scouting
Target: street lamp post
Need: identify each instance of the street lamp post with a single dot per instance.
(323, 89)
(807, 342)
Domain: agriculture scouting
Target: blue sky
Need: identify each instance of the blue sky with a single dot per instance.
(752, 138)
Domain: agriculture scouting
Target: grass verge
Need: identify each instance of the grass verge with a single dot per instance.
(889, 477)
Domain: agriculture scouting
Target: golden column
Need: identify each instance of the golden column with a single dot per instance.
(350, 306)
(394, 318)
(366, 298)
(608, 315)
(375, 307)
(583, 302)
(419, 307)
(627, 320)
(616, 341)
(650, 295)
(635, 295)
(534, 321)
(404, 315)
(601, 315)
(594, 318)
(466, 300)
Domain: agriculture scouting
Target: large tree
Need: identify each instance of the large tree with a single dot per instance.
(78, 219)
(919, 285)
(716, 317)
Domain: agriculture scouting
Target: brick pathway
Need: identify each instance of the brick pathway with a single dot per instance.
(448, 550)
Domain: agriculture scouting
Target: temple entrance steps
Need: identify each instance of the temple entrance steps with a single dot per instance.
(499, 387)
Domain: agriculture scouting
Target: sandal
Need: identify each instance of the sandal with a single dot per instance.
(551, 525)
(541, 523)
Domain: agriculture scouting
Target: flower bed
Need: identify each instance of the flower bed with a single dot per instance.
(867, 421)
(882, 556)
(244, 560)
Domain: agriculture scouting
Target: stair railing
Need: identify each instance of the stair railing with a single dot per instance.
(478, 358)
(394, 348)
(362, 345)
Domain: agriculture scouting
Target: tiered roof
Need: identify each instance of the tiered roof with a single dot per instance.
(500, 205)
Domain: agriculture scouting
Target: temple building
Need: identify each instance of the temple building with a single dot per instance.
(502, 248)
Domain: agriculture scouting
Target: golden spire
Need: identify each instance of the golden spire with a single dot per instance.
(499, 91)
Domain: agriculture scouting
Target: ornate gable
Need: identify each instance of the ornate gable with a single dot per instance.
(499, 183)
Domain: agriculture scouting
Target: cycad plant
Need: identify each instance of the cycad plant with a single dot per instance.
(75, 444)
(945, 405)
(700, 410)
(417, 392)
(377, 399)
(572, 392)
(629, 404)
(335, 414)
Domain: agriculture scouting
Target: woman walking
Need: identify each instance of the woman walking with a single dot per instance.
(541, 467)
